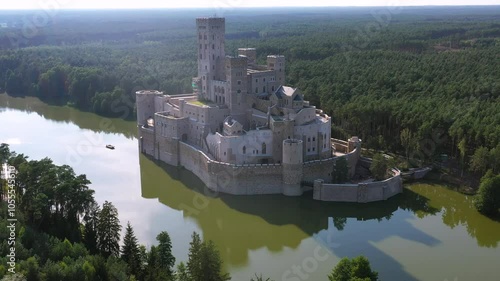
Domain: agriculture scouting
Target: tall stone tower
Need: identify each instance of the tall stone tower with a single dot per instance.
(211, 53)
(236, 70)
(145, 101)
(293, 160)
(277, 63)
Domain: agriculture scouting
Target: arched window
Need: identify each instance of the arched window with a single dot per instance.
(244, 150)
(264, 148)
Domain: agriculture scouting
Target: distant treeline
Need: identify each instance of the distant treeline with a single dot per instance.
(431, 73)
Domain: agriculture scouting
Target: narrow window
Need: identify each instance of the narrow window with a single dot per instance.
(264, 148)
(244, 150)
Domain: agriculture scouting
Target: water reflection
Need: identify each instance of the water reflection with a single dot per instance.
(241, 224)
(66, 114)
(458, 210)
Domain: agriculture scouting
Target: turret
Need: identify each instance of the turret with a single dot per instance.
(292, 167)
(277, 63)
(145, 101)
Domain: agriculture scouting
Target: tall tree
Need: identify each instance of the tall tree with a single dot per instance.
(204, 262)
(194, 257)
(130, 251)
(91, 222)
(495, 158)
(480, 160)
(462, 148)
(167, 260)
(406, 138)
(108, 231)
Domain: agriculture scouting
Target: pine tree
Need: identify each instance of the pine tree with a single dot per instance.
(194, 259)
(130, 251)
(154, 270)
(211, 263)
(204, 262)
(166, 259)
(91, 220)
(182, 273)
(108, 231)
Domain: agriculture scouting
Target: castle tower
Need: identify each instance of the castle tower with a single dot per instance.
(236, 70)
(277, 63)
(211, 53)
(292, 167)
(145, 101)
(250, 53)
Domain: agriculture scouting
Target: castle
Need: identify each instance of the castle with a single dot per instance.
(242, 130)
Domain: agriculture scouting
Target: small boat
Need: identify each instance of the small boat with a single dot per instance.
(109, 146)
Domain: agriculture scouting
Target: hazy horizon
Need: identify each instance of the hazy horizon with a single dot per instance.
(230, 4)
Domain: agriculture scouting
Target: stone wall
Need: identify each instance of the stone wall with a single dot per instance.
(319, 169)
(231, 179)
(254, 179)
(146, 140)
(361, 193)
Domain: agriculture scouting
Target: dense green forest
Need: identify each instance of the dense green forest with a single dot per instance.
(420, 81)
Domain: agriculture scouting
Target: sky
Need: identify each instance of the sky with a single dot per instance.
(136, 4)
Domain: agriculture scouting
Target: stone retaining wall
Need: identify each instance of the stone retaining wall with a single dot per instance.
(361, 193)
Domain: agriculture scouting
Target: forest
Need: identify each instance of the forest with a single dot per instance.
(419, 81)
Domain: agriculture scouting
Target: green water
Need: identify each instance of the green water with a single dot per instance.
(427, 233)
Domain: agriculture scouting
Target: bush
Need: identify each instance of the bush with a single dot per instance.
(488, 197)
(355, 269)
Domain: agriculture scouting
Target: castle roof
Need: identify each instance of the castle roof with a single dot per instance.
(285, 91)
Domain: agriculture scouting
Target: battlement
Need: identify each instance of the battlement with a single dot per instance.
(210, 21)
(236, 62)
(149, 92)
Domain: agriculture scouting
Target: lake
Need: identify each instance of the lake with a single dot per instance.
(427, 233)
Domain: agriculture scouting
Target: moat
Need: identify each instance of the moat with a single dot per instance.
(427, 233)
